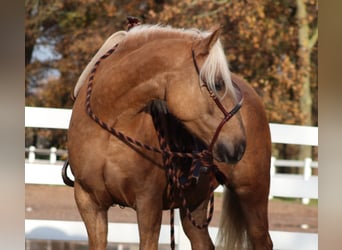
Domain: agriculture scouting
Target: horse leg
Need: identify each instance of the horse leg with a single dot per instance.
(149, 216)
(94, 216)
(199, 238)
(255, 213)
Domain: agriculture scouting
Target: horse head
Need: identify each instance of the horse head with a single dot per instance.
(200, 93)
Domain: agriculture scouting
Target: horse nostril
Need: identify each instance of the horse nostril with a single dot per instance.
(228, 152)
(241, 150)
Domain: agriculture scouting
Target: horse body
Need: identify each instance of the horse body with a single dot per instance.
(144, 70)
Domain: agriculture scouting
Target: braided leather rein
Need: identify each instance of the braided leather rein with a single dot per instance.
(204, 157)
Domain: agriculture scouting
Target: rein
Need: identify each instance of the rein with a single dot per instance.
(201, 161)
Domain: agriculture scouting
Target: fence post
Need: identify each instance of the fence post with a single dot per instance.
(49, 245)
(27, 244)
(183, 242)
(307, 175)
(53, 155)
(32, 154)
(273, 171)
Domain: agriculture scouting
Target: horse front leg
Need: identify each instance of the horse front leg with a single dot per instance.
(149, 216)
(199, 238)
(94, 217)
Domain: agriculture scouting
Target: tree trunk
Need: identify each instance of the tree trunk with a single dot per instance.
(304, 52)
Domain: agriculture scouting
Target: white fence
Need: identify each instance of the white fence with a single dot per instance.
(282, 185)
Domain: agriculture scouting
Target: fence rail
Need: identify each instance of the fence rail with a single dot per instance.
(59, 119)
(304, 186)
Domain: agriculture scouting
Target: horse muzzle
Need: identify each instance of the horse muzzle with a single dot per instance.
(228, 152)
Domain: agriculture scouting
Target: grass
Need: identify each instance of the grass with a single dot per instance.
(313, 202)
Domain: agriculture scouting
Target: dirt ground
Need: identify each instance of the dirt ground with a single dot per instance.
(57, 203)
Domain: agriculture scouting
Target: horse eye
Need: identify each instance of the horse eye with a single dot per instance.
(219, 85)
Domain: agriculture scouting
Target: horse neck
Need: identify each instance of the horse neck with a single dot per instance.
(108, 44)
(122, 88)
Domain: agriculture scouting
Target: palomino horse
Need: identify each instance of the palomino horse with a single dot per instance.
(150, 130)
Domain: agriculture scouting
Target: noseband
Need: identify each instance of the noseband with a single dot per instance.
(202, 160)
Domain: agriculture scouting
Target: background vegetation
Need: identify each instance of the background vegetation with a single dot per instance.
(271, 43)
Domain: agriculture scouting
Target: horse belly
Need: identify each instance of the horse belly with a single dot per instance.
(128, 176)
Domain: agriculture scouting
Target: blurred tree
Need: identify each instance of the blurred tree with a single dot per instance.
(307, 39)
(74, 29)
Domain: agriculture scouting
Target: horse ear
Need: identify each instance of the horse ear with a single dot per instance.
(204, 45)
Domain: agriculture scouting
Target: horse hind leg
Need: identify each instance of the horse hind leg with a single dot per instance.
(232, 233)
(94, 216)
(255, 209)
(244, 222)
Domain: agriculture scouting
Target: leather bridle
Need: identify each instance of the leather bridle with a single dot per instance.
(227, 115)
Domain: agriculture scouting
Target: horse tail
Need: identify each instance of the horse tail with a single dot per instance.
(67, 181)
(233, 228)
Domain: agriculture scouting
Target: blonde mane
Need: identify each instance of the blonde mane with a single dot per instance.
(215, 65)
